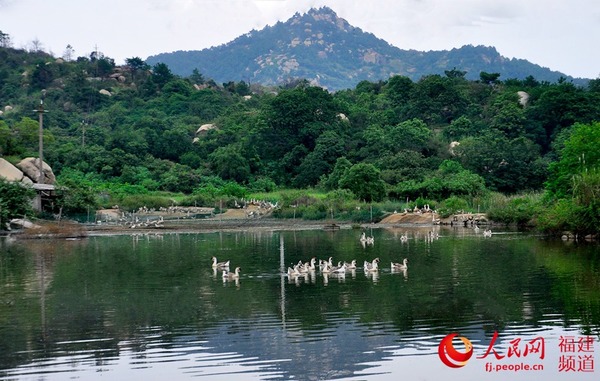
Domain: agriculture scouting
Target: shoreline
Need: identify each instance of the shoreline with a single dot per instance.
(70, 230)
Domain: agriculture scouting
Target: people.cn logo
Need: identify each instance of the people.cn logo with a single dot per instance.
(450, 356)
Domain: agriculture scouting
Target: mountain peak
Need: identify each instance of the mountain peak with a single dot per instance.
(325, 49)
(320, 15)
(323, 14)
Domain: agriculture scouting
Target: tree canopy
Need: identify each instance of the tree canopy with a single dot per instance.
(145, 126)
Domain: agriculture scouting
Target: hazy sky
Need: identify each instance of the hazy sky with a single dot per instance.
(560, 34)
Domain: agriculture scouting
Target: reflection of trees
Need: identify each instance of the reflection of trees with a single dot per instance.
(115, 288)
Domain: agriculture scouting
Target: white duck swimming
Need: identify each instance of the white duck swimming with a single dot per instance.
(351, 265)
(293, 272)
(340, 269)
(323, 263)
(227, 275)
(311, 266)
(219, 265)
(372, 266)
(363, 237)
(400, 266)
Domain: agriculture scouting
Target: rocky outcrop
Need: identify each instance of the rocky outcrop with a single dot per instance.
(9, 172)
(523, 98)
(30, 168)
(452, 146)
(205, 128)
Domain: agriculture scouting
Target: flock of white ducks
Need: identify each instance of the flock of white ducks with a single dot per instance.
(327, 267)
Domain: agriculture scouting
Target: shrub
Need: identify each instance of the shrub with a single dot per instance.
(315, 213)
(15, 201)
(263, 184)
(364, 214)
(452, 205)
(134, 202)
(520, 209)
(557, 217)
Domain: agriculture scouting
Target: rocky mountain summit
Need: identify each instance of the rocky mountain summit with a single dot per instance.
(326, 50)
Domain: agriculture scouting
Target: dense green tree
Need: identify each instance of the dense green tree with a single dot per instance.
(384, 141)
(104, 66)
(42, 75)
(398, 89)
(6, 139)
(196, 77)
(136, 65)
(507, 165)
(579, 154)
(15, 201)
(26, 135)
(450, 179)
(129, 140)
(160, 76)
(230, 164)
(75, 196)
(403, 165)
(489, 78)
(437, 99)
(320, 161)
(459, 128)
(455, 73)
(298, 116)
(179, 178)
(295, 119)
(508, 117)
(560, 106)
(332, 180)
(364, 180)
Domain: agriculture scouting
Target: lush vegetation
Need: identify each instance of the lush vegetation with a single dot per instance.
(125, 134)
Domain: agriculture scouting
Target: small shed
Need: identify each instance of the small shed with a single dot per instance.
(45, 194)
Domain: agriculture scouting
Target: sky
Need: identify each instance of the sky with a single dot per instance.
(559, 34)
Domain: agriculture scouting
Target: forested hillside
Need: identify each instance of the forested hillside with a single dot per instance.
(137, 128)
(329, 52)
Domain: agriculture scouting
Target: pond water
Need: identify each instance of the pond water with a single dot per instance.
(137, 307)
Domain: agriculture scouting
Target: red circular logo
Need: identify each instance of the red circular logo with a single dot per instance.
(450, 356)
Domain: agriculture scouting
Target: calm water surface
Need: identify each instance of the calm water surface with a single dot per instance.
(150, 307)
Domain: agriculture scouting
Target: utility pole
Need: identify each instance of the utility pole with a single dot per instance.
(40, 110)
(83, 124)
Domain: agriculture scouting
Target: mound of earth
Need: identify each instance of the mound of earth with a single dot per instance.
(409, 218)
(429, 218)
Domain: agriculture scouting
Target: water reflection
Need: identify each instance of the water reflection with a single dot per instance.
(140, 306)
